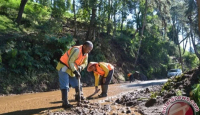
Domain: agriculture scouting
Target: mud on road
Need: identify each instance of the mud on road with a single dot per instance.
(137, 102)
(50, 102)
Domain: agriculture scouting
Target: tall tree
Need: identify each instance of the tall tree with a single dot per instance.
(101, 13)
(109, 12)
(75, 24)
(45, 2)
(59, 8)
(193, 38)
(115, 6)
(21, 10)
(141, 36)
(198, 4)
(91, 30)
(191, 12)
(123, 15)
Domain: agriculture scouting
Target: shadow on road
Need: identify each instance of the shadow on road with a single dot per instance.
(145, 84)
(30, 111)
(56, 102)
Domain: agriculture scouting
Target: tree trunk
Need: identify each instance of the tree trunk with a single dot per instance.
(143, 25)
(108, 25)
(54, 4)
(102, 25)
(21, 10)
(192, 38)
(100, 14)
(122, 20)
(92, 26)
(75, 24)
(190, 43)
(185, 46)
(182, 36)
(51, 2)
(114, 22)
(173, 31)
(198, 4)
(180, 55)
(109, 8)
(165, 26)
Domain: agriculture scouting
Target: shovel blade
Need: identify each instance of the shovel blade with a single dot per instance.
(93, 94)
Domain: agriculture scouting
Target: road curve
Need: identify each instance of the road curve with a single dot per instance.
(36, 103)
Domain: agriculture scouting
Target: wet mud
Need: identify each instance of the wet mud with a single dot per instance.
(126, 98)
(50, 102)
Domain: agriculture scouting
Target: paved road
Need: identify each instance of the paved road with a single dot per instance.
(143, 84)
(36, 103)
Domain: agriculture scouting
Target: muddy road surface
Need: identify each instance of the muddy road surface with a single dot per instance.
(40, 103)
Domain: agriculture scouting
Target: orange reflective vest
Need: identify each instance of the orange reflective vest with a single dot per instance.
(65, 58)
(100, 71)
(129, 74)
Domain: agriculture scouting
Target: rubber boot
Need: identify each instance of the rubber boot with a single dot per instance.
(100, 95)
(65, 101)
(76, 95)
(104, 91)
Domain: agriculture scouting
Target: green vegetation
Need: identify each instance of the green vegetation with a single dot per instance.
(7, 24)
(154, 95)
(191, 61)
(30, 51)
(29, 62)
(196, 94)
(178, 92)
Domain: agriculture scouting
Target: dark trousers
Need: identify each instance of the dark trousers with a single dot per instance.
(108, 78)
(131, 78)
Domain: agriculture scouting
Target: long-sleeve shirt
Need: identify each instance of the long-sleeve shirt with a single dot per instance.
(72, 58)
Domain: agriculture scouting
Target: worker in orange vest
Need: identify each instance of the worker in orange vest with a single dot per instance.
(103, 72)
(69, 67)
(130, 76)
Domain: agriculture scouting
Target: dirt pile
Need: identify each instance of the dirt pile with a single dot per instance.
(183, 83)
(150, 101)
(143, 100)
(108, 107)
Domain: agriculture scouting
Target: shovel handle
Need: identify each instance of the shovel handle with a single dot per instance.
(79, 91)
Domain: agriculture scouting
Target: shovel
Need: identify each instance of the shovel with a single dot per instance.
(90, 96)
(79, 92)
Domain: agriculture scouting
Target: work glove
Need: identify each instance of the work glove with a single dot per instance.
(77, 74)
(80, 68)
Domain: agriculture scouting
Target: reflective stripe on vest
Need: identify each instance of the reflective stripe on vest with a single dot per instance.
(99, 70)
(66, 57)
